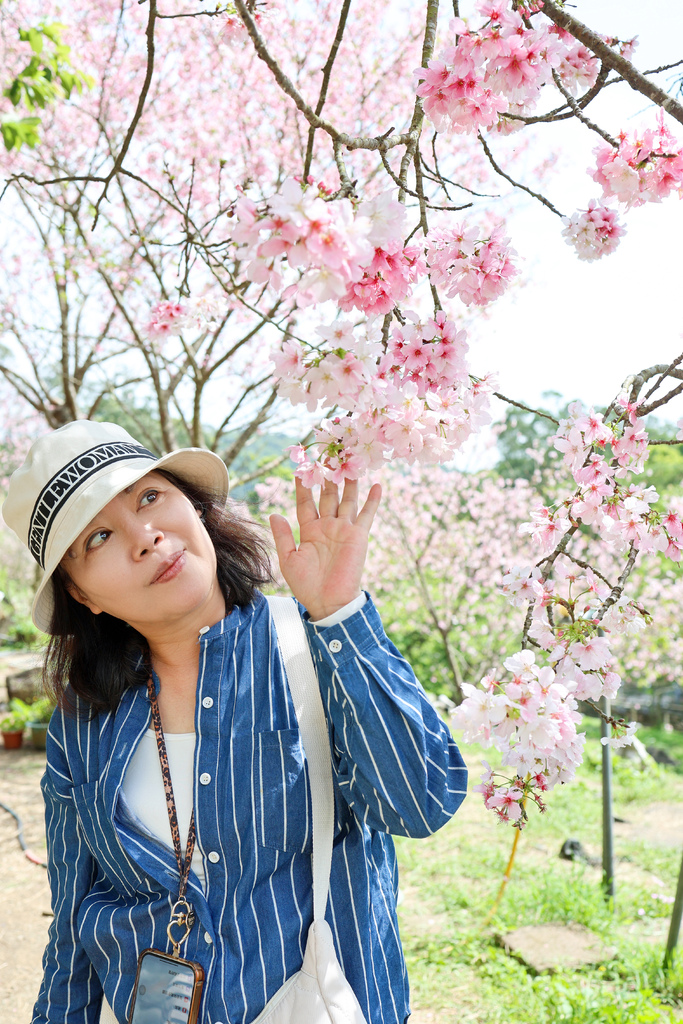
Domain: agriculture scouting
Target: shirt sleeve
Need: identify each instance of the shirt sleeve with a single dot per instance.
(398, 766)
(342, 613)
(70, 992)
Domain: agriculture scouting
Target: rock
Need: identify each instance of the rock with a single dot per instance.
(572, 849)
(556, 946)
(27, 685)
(661, 756)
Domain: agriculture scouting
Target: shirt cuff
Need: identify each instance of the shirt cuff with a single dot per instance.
(341, 613)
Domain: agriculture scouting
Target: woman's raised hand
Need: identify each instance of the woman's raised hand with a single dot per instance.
(324, 571)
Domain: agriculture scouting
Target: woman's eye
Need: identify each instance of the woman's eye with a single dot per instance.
(152, 495)
(97, 540)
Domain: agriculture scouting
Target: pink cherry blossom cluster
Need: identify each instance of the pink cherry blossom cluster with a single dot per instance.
(531, 719)
(168, 318)
(350, 254)
(414, 401)
(593, 232)
(574, 613)
(355, 254)
(478, 270)
(646, 167)
(600, 455)
(500, 67)
(386, 280)
(581, 658)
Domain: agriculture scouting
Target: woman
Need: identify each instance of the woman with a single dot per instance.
(148, 576)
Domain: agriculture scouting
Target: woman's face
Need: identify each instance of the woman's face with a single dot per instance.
(147, 559)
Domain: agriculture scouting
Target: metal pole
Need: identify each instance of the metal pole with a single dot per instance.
(607, 812)
(675, 926)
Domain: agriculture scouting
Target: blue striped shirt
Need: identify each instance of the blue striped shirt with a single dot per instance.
(396, 770)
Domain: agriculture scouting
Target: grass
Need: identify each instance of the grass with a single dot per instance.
(458, 968)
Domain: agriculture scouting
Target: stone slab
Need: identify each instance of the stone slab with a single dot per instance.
(556, 946)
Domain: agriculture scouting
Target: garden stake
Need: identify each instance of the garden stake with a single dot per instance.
(506, 876)
(607, 812)
(675, 926)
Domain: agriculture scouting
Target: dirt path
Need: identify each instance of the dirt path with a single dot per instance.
(24, 895)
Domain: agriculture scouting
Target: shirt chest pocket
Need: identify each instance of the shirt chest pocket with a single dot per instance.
(283, 799)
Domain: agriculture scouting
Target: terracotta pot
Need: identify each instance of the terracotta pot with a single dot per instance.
(12, 740)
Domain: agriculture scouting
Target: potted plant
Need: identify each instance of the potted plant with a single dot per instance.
(39, 715)
(13, 724)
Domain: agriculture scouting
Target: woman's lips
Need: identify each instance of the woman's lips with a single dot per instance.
(170, 568)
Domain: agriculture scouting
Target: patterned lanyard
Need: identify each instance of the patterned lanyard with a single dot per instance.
(182, 914)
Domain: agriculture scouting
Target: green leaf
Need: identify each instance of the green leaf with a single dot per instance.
(35, 40)
(16, 134)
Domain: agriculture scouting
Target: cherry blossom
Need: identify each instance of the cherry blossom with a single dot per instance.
(594, 232)
(646, 167)
(478, 270)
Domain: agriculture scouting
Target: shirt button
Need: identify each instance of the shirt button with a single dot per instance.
(207, 938)
(205, 778)
(214, 857)
(335, 646)
(207, 702)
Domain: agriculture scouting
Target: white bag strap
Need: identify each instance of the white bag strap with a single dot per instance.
(303, 685)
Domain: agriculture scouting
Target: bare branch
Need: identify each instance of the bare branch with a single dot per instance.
(527, 408)
(665, 373)
(249, 431)
(287, 86)
(118, 163)
(267, 467)
(637, 81)
(578, 112)
(517, 184)
(327, 71)
(617, 591)
(585, 565)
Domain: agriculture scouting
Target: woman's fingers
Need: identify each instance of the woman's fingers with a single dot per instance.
(306, 511)
(367, 513)
(329, 499)
(283, 537)
(348, 506)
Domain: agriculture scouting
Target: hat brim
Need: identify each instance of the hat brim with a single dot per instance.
(194, 465)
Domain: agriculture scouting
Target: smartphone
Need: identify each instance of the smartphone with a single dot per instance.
(167, 990)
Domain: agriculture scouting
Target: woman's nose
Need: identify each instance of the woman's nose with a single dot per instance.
(147, 539)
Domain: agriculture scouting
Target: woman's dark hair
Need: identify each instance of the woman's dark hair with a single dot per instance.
(100, 656)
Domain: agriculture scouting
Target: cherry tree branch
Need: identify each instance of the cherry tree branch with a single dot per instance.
(578, 112)
(618, 590)
(634, 78)
(149, 72)
(561, 113)
(327, 72)
(586, 565)
(287, 86)
(527, 408)
(517, 184)
(671, 366)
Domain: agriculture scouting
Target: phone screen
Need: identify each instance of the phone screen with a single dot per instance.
(164, 991)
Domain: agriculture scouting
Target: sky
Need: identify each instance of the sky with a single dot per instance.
(581, 328)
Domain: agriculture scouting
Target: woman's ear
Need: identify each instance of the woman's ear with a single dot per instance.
(79, 596)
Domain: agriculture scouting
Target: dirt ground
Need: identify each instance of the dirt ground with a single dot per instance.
(24, 895)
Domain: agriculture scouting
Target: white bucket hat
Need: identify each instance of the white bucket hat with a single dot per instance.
(71, 474)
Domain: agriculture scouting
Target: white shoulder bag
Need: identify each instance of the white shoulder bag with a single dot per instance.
(318, 993)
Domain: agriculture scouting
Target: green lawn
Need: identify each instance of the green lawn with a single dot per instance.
(459, 971)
